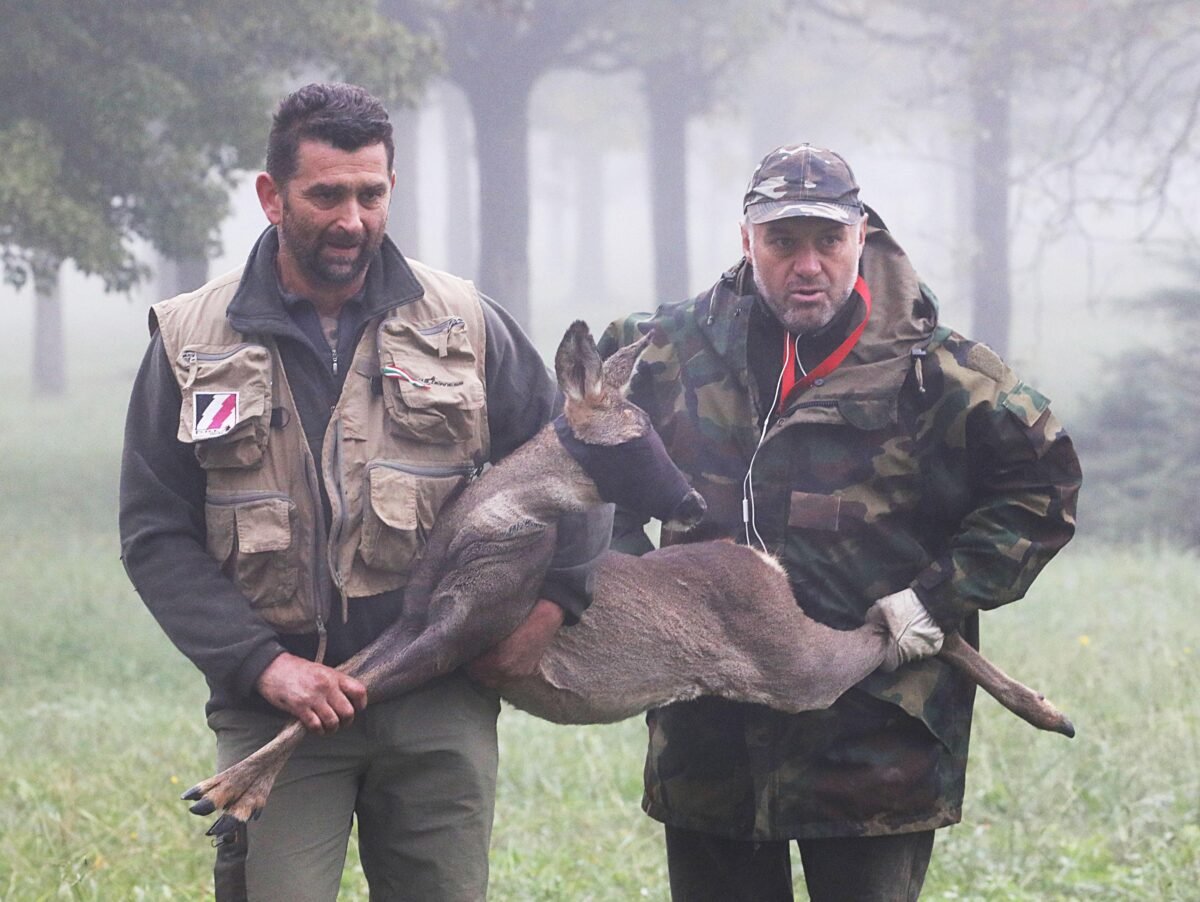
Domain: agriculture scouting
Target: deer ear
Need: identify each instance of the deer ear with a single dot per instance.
(577, 364)
(619, 367)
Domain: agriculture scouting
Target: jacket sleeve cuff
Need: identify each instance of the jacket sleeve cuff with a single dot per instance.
(247, 675)
(935, 588)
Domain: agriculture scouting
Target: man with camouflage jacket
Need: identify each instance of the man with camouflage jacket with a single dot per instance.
(813, 399)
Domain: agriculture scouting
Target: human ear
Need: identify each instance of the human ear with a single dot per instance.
(270, 198)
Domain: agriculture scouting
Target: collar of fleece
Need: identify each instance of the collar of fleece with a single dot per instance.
(637, 475)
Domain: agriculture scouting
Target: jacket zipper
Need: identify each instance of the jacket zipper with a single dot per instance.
(339, 523)
(317, 552)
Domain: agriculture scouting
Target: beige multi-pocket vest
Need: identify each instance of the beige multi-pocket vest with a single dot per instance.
(409, 429)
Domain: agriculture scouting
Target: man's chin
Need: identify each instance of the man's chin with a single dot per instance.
(340, 273)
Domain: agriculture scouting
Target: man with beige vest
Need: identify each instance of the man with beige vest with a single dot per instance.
(293, 431)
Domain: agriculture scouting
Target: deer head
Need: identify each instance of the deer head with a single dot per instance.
(612, 439)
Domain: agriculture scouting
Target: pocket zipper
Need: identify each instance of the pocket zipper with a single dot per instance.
(189, 356)
(244, 498)
(443, 326)
(443, 330)
(466, 469)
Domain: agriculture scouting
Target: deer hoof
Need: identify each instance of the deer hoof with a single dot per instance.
(203, 807)
(226, 823)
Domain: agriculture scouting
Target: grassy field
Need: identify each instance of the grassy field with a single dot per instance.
(101, 726)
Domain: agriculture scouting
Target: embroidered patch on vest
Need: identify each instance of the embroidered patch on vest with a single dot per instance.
(216, 413)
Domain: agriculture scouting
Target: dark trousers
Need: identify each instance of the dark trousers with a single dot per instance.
(706, 868)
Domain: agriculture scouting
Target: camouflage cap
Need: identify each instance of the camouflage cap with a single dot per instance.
(802, 180)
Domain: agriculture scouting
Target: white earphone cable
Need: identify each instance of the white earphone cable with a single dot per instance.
(748, 521)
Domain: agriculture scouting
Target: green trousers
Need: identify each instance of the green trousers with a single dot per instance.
(419, 775)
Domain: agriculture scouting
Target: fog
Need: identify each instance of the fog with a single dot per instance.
(591, 239)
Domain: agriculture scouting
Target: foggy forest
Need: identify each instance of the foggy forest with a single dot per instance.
(1038, 161)
(581, 158)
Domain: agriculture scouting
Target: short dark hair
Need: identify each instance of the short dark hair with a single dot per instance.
(345, 116)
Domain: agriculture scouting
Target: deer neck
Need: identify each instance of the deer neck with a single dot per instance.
(541, 480)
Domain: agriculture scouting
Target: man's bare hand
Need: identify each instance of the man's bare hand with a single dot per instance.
(321, 698)
(518, 654)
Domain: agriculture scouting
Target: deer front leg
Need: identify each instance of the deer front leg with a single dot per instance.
(241, 790)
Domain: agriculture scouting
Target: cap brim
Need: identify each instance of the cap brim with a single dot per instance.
(771, 210)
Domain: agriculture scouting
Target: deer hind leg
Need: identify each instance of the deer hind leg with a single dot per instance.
(463, 629)
(241, 790)
(475, 605)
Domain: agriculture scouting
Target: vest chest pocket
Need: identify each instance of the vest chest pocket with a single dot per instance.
(400, 504)
(431, 388)
(252, 536)
(226, 404)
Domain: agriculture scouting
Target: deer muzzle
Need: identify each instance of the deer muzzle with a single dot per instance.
(637, 475)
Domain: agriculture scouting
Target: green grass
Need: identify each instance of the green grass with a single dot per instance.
(101, 725)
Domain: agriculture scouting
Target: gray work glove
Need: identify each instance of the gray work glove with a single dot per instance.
(915, 635)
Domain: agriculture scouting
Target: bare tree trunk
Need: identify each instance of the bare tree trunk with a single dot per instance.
(49, 346)
(189, 274)
(501, 114)
(462, 243)
(990, 97)
(495, 52)
(590, 283)
(667, 106)
(404, 216)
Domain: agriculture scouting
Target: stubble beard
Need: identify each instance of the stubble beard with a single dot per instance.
(801, 320)
(306, 249)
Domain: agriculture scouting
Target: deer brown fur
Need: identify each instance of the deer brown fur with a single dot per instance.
(711, 618)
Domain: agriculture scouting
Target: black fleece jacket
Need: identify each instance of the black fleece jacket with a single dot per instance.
(163, 487)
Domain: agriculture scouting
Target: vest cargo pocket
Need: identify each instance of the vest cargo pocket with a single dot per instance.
(251, 536)
(400, 505)
(431, 388)
(226, 403)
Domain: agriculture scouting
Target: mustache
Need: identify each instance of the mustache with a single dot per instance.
(345, 240)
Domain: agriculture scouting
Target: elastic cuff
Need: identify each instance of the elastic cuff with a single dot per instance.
(258, 661)
(947, 613)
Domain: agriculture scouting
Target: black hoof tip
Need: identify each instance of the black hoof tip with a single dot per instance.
(203, 807)
(192, 794)
(226, 823)
(1068, 729)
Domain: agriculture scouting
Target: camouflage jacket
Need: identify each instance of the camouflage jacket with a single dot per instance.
(921, 461)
